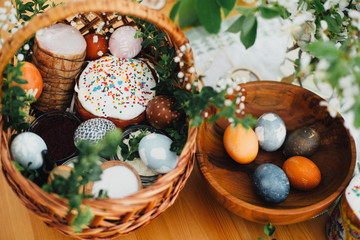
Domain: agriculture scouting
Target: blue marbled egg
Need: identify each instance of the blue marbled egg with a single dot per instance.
(26, 149)
(93, 130)
(154, 151)
(271, 183)
(270, 131)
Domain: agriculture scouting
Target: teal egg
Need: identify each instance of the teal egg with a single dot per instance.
(154, 151)
(26, 150)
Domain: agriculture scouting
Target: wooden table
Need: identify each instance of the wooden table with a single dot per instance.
(195, 215)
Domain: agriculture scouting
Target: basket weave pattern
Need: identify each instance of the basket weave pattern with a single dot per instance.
(113, 217)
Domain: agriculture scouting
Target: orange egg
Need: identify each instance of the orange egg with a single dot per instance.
(240, 143)
(96, 46)
(303, 173)
(34, 80)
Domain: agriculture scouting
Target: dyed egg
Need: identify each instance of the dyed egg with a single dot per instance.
(303, 173)
(123, 43)
(31, 74)
(154, 151)
(270, 131)
(240, 143)
(118, 180)
(26, 149)
(159, 113)
(271, 183)
(93, 130)
(303, 141)
(96, 46)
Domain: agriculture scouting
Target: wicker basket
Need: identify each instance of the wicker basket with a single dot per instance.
(113, 217)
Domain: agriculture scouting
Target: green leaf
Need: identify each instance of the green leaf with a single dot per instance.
(20, 81)
(237, 25)
(244, 10)
(332, 24)
(227, 4)
(18, 91)
(322, 49)
(209, 15)
(187, 14)
(18, 166)
(268, 13)
(319, 7)
(249, 29)
(269, 230)
(84, 217)
(174, 10)
(226, 12)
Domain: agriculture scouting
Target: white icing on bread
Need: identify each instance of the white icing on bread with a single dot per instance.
(116, 88)
(352, 194)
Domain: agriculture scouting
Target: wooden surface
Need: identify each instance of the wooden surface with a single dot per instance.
(195, 215)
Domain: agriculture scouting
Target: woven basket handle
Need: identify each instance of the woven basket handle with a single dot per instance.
(58, 13)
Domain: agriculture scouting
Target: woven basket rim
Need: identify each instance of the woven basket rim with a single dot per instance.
(144, 196)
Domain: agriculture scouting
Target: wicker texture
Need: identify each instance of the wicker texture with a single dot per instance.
(113, 217)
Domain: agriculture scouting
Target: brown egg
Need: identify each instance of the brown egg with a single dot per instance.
(159, 113)
(303, 173)
(303, 141)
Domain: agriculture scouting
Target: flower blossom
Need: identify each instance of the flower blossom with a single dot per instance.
(355, 16)
(333, 106)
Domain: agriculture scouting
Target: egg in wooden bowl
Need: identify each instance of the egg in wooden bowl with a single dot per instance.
(232, 183)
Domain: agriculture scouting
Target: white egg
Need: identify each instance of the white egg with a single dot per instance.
(26, 150)
(154, 151)
(117, 181)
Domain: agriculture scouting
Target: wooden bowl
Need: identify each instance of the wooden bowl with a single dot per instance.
(231, 183)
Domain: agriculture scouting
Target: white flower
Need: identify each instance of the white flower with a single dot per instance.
(323, 65)
(333, 106)
(325, 89)
(355, 16)
(20, 57)
(227, 102)
(323, 29)
(330, 3)
(290, 5)
(230, 91)
(301, 26)
(305, 60)
(26, 47)
(350, 90)
(180, 75)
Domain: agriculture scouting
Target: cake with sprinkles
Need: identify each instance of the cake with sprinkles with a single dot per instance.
(115, 88)
(344, 222)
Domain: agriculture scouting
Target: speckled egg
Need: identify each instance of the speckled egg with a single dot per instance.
(93, 130)
(270, 131)
(271, 183)
(26, 149)
(154, 151)
(159, 113)
(303, 141)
